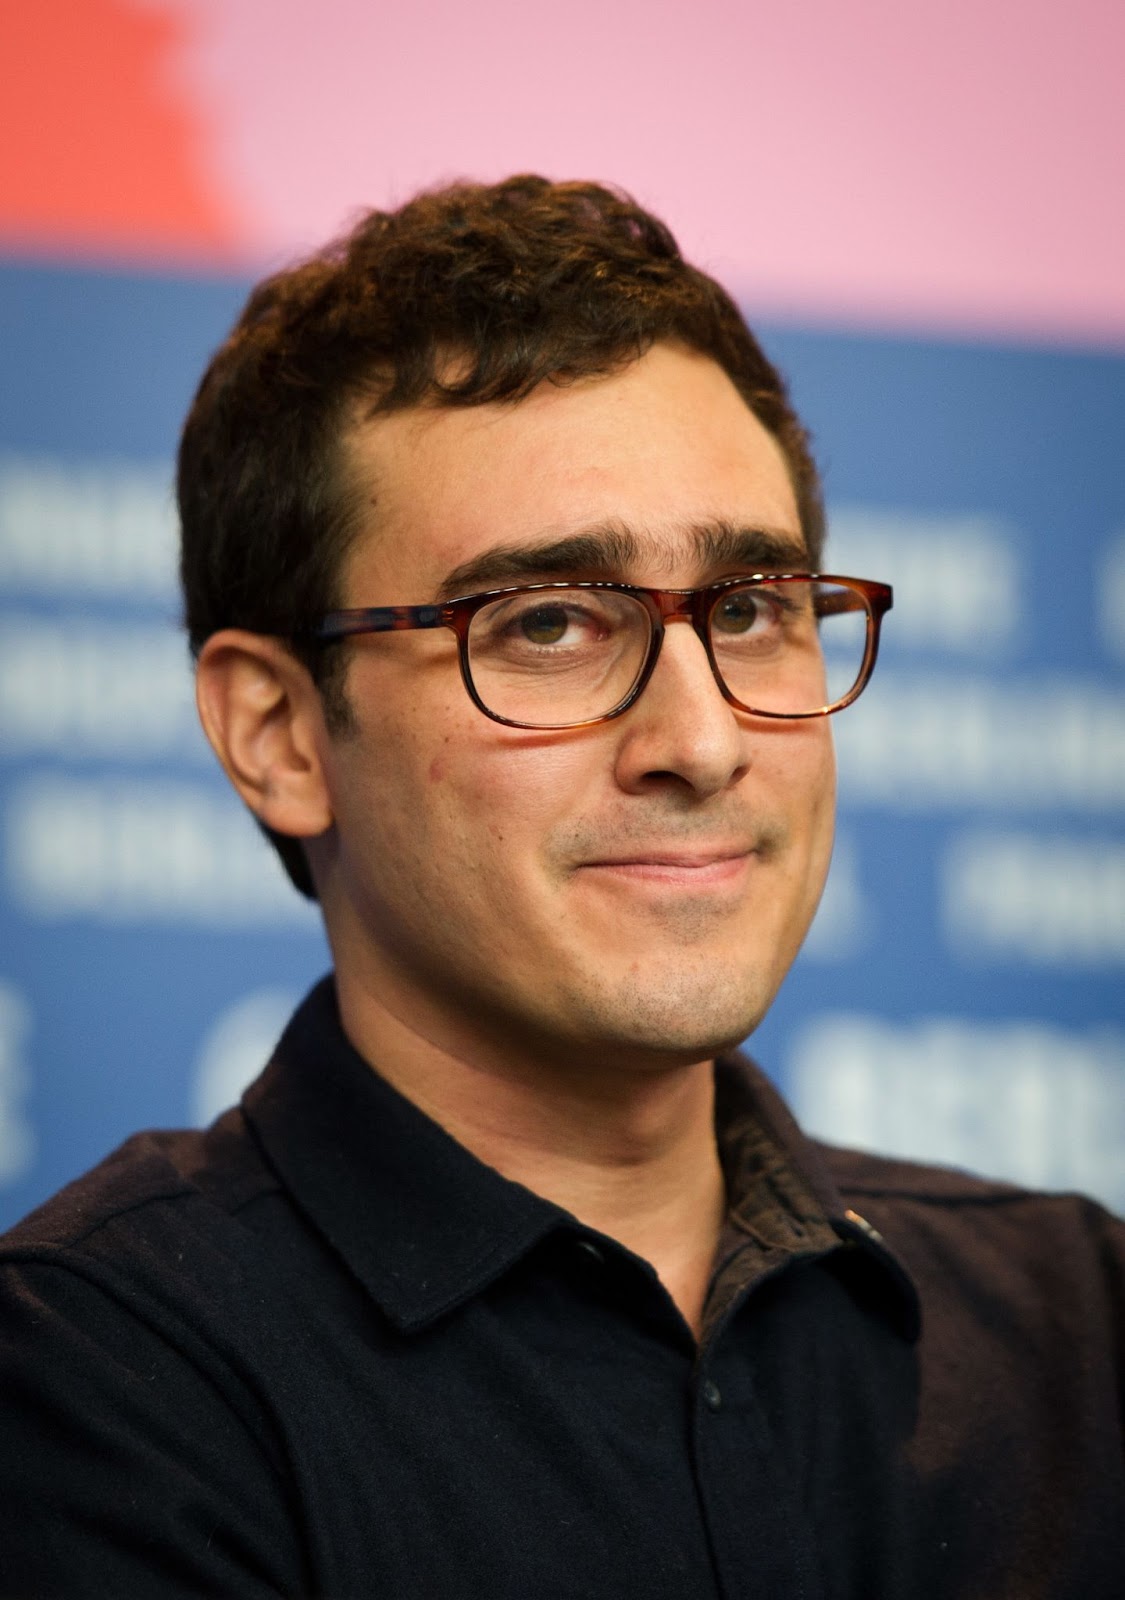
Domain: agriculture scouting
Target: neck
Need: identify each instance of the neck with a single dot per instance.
(631, 1154)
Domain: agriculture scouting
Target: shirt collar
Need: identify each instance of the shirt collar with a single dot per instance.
(419, 1220)
(424, 1225)
(781, 1190)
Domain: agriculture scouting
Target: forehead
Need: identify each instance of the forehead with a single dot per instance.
(661, 450)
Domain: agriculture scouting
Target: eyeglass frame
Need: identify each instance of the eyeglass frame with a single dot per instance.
(662, 606)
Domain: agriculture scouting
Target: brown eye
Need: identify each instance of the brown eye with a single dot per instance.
(544, 625)
(736, 613)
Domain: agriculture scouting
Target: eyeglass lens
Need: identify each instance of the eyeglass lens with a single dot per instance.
(573, 655)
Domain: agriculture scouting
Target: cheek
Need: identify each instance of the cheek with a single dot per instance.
(506, 789)
(813, 768)
(449, 775)
(822, 785)
(799, 774)
(819, 823)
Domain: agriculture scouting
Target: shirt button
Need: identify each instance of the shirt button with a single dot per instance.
(864, 1226)
(712, 1398)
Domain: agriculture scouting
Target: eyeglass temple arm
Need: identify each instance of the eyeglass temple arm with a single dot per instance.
(379, 619)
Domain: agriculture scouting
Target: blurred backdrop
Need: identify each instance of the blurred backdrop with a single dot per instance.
(919, 207)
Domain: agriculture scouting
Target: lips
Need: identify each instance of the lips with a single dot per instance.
(698, 868)
(667, 846)
(667, 858)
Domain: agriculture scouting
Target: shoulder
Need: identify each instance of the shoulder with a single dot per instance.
(947, 1189)
(133, 1412)
(182, 1183)
(161, 1240)
(972, 1243)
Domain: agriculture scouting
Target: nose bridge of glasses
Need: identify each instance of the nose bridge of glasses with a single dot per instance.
(677, 604)
(684, 605)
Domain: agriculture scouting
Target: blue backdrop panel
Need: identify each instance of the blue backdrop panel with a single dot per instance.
(962, 995)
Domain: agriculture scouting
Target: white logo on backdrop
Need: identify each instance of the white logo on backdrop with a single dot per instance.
(1025, 1101)
(18, 1145)
(151, 850)
(1042, 899)
(1111, 598)
(940, 740)
(79, 688)
(928, 560)
(83, 688)
(100, 528)
(235, 1049)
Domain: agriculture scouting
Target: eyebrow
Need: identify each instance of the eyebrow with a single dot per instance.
(609, 550)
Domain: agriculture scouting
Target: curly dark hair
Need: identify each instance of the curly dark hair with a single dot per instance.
(523, 282)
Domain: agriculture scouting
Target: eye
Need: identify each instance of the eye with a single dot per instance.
(739, 612)
(555, 627)
(544, 624)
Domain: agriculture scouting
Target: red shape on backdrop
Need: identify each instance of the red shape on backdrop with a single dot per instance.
(100, 147)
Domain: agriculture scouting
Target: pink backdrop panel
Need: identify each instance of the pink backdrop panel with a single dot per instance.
(949, 165)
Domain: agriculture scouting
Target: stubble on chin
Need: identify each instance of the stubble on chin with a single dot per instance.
(675, 1014)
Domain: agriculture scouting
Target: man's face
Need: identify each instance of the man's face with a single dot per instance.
(636, 889)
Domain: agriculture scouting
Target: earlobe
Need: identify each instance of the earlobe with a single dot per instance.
(262, 715)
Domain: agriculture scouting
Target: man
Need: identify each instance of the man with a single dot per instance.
(506, 1279)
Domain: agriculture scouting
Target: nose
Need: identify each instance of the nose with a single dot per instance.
(681, 732)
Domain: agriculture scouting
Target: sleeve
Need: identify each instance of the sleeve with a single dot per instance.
(124, 1469)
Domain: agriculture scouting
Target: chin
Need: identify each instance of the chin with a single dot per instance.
(686, 1017)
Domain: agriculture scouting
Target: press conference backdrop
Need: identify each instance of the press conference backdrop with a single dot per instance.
(962, 995)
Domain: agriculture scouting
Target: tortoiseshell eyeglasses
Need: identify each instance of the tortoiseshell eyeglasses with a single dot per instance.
(566, 655)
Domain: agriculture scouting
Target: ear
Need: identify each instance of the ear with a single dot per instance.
(261, 711)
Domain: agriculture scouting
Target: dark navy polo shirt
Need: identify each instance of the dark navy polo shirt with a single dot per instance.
(321, 1349)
